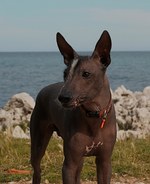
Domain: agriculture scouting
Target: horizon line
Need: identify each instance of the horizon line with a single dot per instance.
(76, 51)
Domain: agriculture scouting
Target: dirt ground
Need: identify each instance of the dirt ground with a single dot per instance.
(119, 180)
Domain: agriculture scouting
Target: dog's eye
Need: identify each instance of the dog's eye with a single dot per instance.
(86, 74)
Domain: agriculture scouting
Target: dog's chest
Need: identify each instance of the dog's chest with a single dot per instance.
(92, 148)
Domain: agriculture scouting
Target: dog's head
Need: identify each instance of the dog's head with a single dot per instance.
(84, 75)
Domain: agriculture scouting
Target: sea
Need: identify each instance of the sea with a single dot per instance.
(31, 71)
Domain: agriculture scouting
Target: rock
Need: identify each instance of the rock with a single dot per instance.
(132, 112)
(143, 115)
(20, 100)
(146, 91)
(19, 133)
(130, 134)
(17, 111)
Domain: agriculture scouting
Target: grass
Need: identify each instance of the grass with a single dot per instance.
(131, 158)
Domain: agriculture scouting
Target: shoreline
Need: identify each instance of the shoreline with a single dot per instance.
(132, 114)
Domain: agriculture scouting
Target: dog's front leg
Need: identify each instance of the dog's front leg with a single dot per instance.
(73, 162)
(71, 171)
(78, 172)
(103, 170)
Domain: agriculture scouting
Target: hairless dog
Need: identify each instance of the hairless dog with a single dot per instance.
(80, 110)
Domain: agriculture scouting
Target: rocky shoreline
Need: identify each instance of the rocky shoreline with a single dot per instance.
(132, 112)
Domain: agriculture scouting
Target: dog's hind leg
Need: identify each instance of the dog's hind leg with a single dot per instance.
(40, 132)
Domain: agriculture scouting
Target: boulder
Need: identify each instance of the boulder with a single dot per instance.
(19, 133)
(132, 112)
(16, 112)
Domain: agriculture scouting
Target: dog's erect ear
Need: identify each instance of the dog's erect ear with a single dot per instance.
(102, 49)
(66, 50)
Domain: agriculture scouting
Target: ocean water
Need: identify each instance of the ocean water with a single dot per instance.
(31, 71)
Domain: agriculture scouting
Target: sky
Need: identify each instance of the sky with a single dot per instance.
(31, 25)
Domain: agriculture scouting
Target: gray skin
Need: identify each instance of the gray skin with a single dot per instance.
(61, 107)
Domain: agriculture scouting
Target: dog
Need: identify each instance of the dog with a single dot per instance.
(80, 110)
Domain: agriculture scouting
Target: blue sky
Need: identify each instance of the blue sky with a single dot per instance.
(31, 25)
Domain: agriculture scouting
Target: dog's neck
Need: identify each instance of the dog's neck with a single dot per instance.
(101, 100)
(96, 109)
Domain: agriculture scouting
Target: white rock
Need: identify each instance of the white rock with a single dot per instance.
(20, 100)
(146, 91)
(129, 134)
(121, 135)
(132, 112)
(143, 115)
(19, 133)
(16, 111)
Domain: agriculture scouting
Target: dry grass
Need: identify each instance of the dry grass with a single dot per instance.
(130, 159)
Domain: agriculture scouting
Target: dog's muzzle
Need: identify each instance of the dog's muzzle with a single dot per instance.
(64, 99)
(68, 101)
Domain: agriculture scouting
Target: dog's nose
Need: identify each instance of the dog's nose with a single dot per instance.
(64, 99)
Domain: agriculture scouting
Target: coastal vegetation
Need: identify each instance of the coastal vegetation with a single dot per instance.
(130, 159)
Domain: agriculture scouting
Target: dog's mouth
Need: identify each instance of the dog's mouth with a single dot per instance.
(74, 103)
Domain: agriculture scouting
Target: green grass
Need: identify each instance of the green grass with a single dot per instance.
(131, 158)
